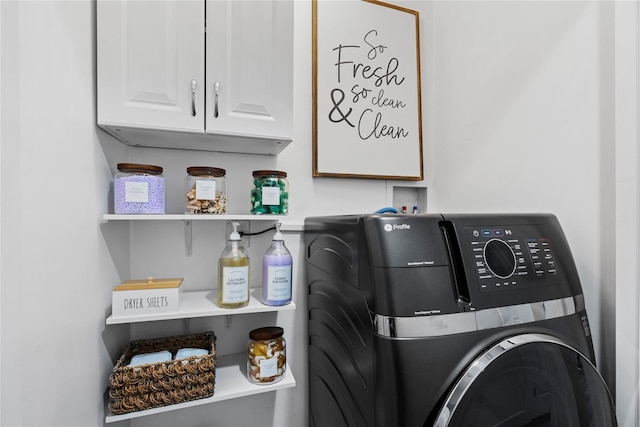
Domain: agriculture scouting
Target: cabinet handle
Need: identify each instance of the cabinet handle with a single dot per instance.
(193, 98)
(216, 90)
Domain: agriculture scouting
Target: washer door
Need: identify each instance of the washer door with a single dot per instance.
(530, 380)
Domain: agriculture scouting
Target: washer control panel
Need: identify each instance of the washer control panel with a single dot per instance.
(511, 256)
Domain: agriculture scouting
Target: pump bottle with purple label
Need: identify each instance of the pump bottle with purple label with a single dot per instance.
(276, 272)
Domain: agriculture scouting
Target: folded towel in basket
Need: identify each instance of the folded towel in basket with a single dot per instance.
(145, 358)
(183, 353)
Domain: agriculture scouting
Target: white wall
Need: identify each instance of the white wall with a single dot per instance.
(524, 121)
(517, 117)
(56, 270)
(627, 48)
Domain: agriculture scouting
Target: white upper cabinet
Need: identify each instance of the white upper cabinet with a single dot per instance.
(204, 75)
(250, 57)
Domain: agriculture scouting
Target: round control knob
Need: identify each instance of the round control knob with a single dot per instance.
(499, 258)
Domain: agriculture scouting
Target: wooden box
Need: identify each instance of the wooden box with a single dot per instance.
(144, 297)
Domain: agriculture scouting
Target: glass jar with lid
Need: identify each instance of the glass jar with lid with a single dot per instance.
(270, 193)
(205, 190)
(267, 355)
(138, 189)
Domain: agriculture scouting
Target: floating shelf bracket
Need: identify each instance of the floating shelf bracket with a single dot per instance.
(188, 238)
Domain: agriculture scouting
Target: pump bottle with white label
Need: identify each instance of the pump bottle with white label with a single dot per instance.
(276, 272)
(233, 273)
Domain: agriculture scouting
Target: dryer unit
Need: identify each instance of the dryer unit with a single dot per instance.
(448, 320)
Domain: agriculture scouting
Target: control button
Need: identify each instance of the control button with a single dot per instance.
(486, 233)
(498, 232)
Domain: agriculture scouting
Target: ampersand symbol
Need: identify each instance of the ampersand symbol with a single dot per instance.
(343, 116)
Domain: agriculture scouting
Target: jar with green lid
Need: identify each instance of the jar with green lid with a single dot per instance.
(138, 189)
(270, 193)
(205, 190)
(267, 355)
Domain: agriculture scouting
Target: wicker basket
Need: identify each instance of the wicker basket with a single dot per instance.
(136, 388)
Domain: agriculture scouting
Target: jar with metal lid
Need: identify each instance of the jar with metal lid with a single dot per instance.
(138, 189)
(267, 355)
(206, 190)
(270, 193)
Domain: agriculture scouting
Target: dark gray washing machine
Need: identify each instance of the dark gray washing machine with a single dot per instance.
(448, 320)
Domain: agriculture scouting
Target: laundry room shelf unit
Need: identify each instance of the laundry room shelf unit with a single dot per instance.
(288, 223)
(231, 383)
(231, 380)
(188, 221)
(200, 304)
(188, 217)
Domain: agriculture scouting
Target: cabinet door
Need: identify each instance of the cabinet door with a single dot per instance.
(250, 57)
(150, 55)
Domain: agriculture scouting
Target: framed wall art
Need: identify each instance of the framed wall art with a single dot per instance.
(367, 108)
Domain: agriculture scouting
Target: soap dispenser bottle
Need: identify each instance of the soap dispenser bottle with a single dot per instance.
(276, 272)
(233, 273)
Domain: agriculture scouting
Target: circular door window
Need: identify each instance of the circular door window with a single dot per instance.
(530, 380)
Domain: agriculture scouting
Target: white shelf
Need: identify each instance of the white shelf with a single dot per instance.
(231, 383)
(188, 217)
(287, 226)
(288, 223)
(202, 304)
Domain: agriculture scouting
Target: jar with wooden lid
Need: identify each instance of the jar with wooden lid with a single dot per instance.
(138, 189)
(270, 193)
(267, 355)
(205, 190)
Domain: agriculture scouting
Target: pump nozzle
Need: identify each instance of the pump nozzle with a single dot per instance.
(235, 235)
(278, 234)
